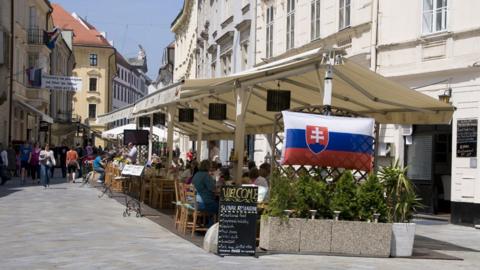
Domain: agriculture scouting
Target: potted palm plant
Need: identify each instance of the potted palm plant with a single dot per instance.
(402, 203)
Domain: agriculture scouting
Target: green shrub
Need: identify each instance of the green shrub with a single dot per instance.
(311, 194)
(371, 200)
(344, 197)
(282, 195)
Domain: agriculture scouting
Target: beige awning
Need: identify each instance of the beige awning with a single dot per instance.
(44, 116)
(355, 88)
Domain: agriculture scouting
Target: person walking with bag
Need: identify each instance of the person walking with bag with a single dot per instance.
(72, 164)
(47, 161)
(34, 164)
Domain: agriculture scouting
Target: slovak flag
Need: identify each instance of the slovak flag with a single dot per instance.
(328, 141)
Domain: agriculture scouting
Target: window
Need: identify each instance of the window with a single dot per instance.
(226, 64)
(92, 110)
(315, 20)
(92, 84)
(434, 16)
(213, 69)
(269, 37)
(290, 24)
(93, 59)
(244, 56)
(344, 14)
(32, 17)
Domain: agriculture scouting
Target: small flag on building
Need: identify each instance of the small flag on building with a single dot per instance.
(34, 76)
(51, 37)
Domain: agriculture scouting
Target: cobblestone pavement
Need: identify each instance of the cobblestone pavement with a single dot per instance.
(69, 227)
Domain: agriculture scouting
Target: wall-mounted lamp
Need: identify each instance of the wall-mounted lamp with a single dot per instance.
(445, 97)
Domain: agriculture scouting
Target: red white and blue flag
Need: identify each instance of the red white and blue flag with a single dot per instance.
(332, 141)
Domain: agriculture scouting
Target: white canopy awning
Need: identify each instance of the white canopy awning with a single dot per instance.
(114, 132)
(44, 116)
(122, 113)
(355, 88)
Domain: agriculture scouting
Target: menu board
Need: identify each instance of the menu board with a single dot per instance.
(133, 170)
(237, 221)
(467, 138)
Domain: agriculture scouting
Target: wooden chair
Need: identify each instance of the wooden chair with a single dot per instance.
(177, 204)
(163, 193)
(190, 209)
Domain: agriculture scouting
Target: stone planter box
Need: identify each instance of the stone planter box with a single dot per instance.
(403, 237)
(280, 235)
(325, 237)
(361, 238)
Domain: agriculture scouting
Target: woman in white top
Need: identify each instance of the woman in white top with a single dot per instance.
(46, 160)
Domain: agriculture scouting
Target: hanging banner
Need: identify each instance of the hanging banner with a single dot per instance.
(61, 83)
(328, 141)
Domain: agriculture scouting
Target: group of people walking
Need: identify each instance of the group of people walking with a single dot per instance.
(39, 163)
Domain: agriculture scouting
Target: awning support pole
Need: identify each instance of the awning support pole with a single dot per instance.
(150, 139)
(240, 106)
(327, 89)
(170, 113)
(200, 129)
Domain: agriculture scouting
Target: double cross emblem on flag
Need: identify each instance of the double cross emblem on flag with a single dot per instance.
(317, 138)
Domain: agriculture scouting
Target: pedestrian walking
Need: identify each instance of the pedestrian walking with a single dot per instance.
(72, 164)
(53, 148)
(12, 161)
(34, 164)
(25, 157)
(80, 154)
(62, 158)
(47, 161)
(3, 165)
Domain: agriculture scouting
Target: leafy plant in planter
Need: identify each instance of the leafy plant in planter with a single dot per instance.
(311, 194)
(282, 195)
(344, 197)
(371, 200)
(402, 201)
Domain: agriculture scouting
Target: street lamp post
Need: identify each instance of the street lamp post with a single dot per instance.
(12, 46)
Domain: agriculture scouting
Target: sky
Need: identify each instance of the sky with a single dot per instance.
(131, 22)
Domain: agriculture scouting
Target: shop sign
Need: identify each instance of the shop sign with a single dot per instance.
(237, 221)
(43, 126)
(61, 83)
(467, 138)
(132, 170)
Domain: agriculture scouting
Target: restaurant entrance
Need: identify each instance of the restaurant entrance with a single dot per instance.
(429, 160)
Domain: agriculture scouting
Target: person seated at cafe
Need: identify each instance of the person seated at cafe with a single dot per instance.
(262, 182)
(186, 174)
(99, 167)
(251, 164)
(205, 187)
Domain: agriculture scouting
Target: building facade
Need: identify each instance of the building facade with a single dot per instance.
(96, 66)
(62, 62)
(225, 45)
(427, 45)
(30, 103)
(130, 85)
(184, 28)
(5, 35)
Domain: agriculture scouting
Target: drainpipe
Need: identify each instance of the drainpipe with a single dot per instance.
(374, 38)
(110, 80)
(12, 46)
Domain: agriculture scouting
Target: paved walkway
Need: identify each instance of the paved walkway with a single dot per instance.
(69, 227)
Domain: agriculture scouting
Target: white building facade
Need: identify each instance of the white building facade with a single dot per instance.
(429, 45)
(129, 85)
(225, 45)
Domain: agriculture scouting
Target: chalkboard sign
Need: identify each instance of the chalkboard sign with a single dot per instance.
(237, 221)
(467, 138)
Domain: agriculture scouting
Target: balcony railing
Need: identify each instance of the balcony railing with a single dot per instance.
(36, 36)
